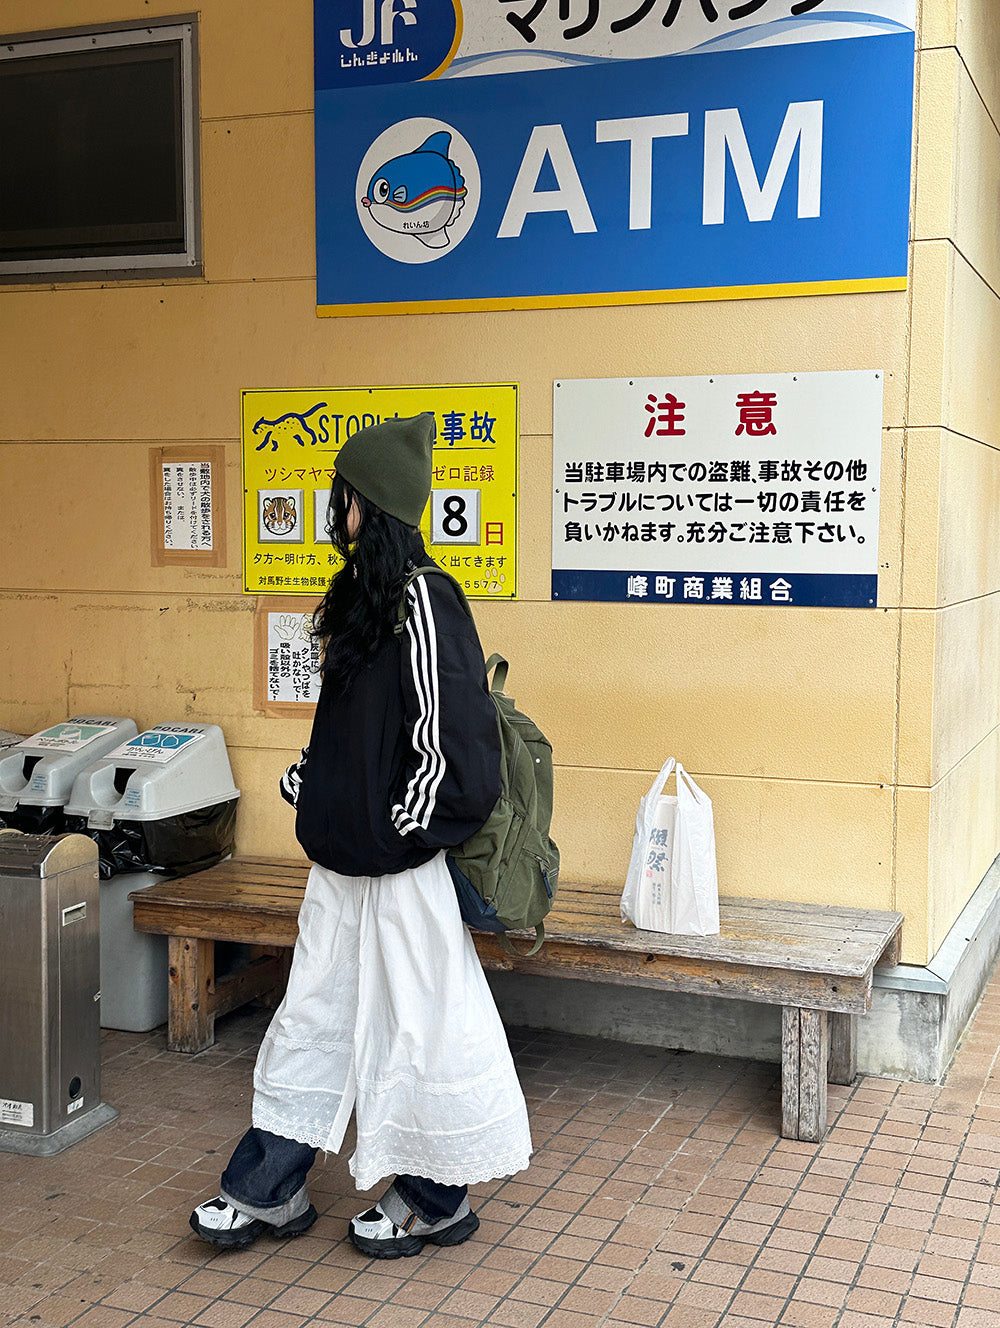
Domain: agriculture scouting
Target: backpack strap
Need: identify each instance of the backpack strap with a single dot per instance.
(432, 570)
(505, 943)
(500, 676)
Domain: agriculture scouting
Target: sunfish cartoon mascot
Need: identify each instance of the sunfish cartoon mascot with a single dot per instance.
(419, 194)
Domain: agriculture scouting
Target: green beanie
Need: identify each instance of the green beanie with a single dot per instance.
(390, 465)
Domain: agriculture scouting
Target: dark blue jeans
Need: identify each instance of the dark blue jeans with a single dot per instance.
(266, 1177)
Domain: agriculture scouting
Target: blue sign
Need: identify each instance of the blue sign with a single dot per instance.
(780, 170)
(382, 41)
(737, 587)
(158, 744)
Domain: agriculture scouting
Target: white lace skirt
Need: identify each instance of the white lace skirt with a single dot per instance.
(388, 1012)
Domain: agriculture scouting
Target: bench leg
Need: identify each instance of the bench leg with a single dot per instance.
(260, 978)
(843, 1067)
(191, 1019)
(803, 1074)
(282, 960)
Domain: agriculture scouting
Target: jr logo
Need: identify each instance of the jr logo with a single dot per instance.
(389, 11)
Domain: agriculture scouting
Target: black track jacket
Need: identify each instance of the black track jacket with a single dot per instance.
(406, 760)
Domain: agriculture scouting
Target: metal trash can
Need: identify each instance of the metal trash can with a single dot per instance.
(162, 804)
(36, 775)
(50, 1071)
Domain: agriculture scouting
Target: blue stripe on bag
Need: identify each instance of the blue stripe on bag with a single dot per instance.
(475, 911)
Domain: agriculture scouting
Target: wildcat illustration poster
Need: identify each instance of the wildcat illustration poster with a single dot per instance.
(290, 443)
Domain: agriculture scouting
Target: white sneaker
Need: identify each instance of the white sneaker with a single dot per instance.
(218, 1222)
(376, 1234)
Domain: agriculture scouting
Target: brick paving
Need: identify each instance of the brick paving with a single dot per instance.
(659, 1194)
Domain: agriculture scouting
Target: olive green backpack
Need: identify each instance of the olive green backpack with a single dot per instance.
(505, 874)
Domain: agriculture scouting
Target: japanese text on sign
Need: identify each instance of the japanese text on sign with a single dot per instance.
(724, 490)
(370, 42)
(293, 659)
(290, 443)
(584, 16)
(187, 505)
(534, 153)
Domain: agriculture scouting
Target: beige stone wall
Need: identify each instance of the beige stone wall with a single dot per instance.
(852, 755)
(952, 568)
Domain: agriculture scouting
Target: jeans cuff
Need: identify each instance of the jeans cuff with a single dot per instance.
(277, 1216)
(399, 1201)
(395, 1207)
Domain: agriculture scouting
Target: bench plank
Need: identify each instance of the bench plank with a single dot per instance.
(250, 926)
(752, 931)
(586, 958)
(826, 948)
(737, 942)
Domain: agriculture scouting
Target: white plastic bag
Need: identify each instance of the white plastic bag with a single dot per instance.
(672, 884)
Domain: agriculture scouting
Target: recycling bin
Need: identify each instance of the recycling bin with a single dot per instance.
(161, 804)
(50, 1072)
(37, 773)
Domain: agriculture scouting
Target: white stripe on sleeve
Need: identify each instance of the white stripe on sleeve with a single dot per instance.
(417, 807)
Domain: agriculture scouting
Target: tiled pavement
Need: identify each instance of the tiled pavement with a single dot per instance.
(659, 1195)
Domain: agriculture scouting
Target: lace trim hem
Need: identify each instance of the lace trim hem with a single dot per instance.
(373, 1170)
(312, 1133)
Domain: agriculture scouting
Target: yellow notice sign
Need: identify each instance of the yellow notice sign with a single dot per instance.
(290, 445)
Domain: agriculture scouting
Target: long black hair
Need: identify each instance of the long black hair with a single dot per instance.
(358, 612)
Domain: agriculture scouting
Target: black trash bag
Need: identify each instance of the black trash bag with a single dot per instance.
(34, 820)
(178, 845)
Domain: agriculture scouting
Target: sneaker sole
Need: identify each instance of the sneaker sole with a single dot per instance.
(245, 1236)
(405, 1247)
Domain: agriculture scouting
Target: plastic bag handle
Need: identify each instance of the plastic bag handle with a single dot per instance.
(666, 770)
(691, 790)
(648, 805)
(691, 787)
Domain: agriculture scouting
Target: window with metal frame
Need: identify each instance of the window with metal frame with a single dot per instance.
(98, 153)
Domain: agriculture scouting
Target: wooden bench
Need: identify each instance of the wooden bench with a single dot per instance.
(814, 961)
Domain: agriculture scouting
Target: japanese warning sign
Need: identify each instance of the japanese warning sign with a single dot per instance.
(528, 153)
(290, 445)
(732, 490)
(293, 659)
(187, 504)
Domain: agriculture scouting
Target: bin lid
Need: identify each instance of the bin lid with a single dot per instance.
(44, 855)
(39, 771)
(165, 771)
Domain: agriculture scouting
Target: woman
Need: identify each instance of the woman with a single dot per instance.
(387, 1010)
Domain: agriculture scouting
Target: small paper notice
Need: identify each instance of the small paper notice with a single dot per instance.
(293, 659)
(16, 1113)
(187, 505)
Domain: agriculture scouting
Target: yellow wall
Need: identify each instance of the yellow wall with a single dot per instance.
(852, 755)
